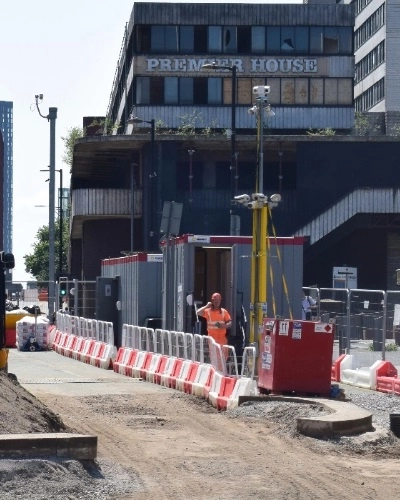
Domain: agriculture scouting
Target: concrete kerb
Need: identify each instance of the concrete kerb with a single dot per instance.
(57, 444)
(345, 418)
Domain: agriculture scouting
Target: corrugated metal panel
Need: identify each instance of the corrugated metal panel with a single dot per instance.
(140, 286)
(285, 117)
(243, 14)
(105, 202)
(367, 201)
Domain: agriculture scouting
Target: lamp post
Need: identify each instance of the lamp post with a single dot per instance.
(51, 117)
(234, 219)
(146, 219)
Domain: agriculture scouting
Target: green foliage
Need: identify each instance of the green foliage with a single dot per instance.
(69, 143)
(106, 124)
(392, 346)
(321, 132)
(37, 263)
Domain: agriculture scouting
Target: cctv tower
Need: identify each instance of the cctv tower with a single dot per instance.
(6, 161)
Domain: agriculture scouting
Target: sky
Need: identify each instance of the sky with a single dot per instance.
(67, 51)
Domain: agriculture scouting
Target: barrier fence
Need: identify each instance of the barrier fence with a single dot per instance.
(366, 320)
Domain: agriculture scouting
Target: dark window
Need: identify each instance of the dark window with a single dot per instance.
(200, 39)
(244, 39)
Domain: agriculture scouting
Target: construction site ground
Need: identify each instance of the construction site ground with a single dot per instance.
(157, 443)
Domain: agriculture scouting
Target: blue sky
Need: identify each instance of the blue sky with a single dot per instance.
(67, 51)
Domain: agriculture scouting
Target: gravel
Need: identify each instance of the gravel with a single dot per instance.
(381, 441)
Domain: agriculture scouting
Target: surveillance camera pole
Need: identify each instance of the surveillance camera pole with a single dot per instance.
(258, 291)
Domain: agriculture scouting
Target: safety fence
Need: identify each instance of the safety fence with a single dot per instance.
(366, 320)
(188, 362)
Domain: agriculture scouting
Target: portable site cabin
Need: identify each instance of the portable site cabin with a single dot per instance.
(195, 266)
(129, 289)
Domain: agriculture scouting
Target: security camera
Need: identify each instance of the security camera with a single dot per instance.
(252, 110)
(242, 198)
(258, 197)
(275, 198)
(252, 204)
(261, 90)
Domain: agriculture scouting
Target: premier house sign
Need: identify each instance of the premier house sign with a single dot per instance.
(273, 65)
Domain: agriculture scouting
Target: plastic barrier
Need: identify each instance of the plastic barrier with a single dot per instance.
(243, 387)
(202, 379)
(153, 367)
(162, 367)
(183, 375)
(386, 374)
(335, 375)
(191, 376)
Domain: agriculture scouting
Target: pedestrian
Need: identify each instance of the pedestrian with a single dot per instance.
(218, 319)
(308, 306)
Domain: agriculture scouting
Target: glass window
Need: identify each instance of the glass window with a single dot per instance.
(316, 38)
(171, 39)
(143, 90)
(273, 40)
(157, 38)
(287, 39)
(230, 39)
(171, 90)
(331, 41)
(345, 40)
(301, 39)
(186, 41)
(214, 90)
(258, 39)
(214, 39)
(186, 90)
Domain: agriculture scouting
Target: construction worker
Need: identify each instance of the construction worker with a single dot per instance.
(218, 319)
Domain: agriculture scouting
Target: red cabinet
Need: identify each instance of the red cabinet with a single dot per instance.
(295, 356)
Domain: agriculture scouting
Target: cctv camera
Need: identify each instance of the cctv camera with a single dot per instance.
(252, 111)
(242, 198)
(258, 196)
(261, 90)
(275, 198)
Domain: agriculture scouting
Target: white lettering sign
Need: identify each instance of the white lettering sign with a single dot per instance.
(273, 65)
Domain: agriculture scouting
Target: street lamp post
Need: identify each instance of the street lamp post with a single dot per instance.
(147, 220)
(51, 117)
(234, 219)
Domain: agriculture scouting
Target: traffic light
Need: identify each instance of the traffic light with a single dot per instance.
(7, 259)
(63, 287)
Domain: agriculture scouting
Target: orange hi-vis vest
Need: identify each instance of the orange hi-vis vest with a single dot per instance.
(213, 316)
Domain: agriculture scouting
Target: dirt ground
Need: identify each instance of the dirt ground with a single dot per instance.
(175, 446)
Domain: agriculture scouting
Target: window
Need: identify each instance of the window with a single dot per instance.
(258, 39)
(371, 96)
(172, 39)
(370, 27)
(214, 90)
(222, 39)
(370, 62)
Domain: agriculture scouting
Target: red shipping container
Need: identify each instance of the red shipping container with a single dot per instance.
(295, 357)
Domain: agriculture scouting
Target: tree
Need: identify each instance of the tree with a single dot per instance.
(73, 134)
(37, 263)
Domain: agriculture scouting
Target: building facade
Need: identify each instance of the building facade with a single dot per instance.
(377, 45)
(180, 148)
(6, 127)
(303, 52)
